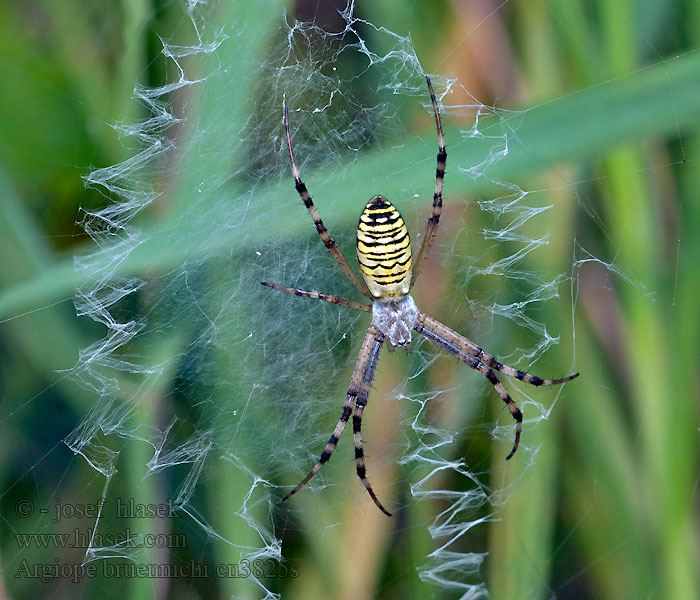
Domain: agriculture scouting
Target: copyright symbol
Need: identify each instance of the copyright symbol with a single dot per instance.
(24, 509)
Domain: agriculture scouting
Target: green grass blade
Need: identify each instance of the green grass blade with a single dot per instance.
(657, 102)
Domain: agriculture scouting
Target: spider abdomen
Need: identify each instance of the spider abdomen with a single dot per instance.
(384, 250)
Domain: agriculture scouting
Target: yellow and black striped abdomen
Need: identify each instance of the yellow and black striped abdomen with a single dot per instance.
(384, 250)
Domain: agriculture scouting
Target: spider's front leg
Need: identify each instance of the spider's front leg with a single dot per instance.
(328, 241)
(431, 226)
(358, 393)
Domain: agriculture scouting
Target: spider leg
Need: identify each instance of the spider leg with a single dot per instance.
(473, 356)
(340, 300)
(503, 393)
(359, 453)
(320, 227)
(434, 220)
(486, 358)
(477, 352)
(360, 384)
(330, 445)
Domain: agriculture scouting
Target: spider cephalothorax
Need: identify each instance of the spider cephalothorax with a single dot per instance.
(396, 319)
(388, 273)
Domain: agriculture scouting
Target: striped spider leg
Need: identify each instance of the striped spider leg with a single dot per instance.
(340, 300)
(358, 394)
(320, 227)
(473, 356)
(434, 220)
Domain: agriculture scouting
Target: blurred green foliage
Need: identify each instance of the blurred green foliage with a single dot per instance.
(608, 510)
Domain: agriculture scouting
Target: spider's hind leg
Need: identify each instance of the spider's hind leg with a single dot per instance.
(358, 392)
(360, 457)
(517, 373)
(330, 445)
(475, 357)
(505, 396)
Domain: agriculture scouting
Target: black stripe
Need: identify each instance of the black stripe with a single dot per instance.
(376, 213)
(374, 227)
(386, 256)
(375, 240)
(376, 248)
(326, 454)
(387, 279)
(384, 263)
(393, 224)
(491, 377)
(389, 264)
(356, 423)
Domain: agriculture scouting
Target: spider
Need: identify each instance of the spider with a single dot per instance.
(388, 274)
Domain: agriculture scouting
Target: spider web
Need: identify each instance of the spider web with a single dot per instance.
(248, 361)
(222, 392)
